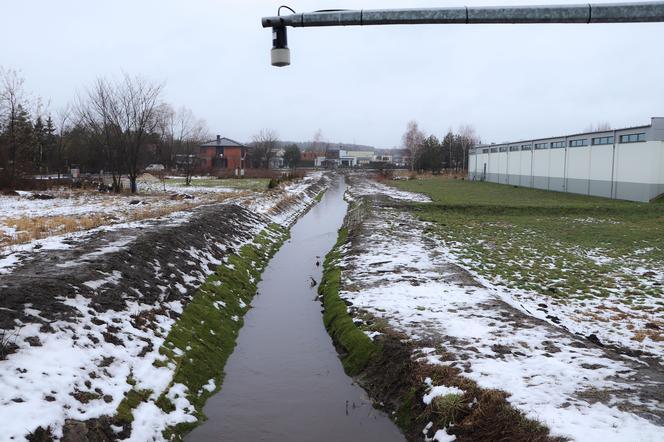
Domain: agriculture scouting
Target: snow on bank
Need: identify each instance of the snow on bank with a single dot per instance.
(367, 187)
(285, 205)
(12, 256)
(399, 273)
(82, 368)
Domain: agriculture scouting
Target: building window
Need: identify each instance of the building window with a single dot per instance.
(578, 143)
(541, 146)
(485, 150)
(557, 144)
(602, 140)
(494, 149)
(514, 148)
(633, 138)
(503, 148)
(526, 147)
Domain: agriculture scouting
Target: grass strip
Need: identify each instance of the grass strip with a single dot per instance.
(357, 349)
(387, 370)
(200, 342)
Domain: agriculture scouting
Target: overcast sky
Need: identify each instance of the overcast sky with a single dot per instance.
(356, 84)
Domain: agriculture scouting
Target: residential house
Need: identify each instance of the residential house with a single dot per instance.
(222, 154)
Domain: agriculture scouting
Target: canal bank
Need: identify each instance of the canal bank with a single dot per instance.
(284, 380)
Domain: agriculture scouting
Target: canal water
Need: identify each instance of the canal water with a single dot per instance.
(284, 381)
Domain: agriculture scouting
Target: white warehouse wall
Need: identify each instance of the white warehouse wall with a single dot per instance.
(631, 171)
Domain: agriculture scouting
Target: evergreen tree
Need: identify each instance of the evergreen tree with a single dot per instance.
(37, 148)
(292, 155)
(21, 141)
(50, 145)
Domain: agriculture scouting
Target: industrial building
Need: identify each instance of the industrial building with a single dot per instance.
(623, 164)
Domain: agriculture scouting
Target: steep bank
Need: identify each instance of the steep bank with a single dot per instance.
(455, 360)
(89, 314)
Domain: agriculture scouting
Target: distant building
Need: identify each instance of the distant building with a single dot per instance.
(310, 155)
(222, 154)
(621, 164)
(382, 158)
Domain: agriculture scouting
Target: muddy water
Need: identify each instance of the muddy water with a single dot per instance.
(284, 381)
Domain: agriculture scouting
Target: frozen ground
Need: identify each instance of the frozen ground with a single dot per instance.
(397, 271)
(86, 313)
(25, 217)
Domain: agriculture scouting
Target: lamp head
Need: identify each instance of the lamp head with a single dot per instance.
(280, 53)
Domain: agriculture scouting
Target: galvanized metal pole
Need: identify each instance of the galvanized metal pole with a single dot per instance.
(584, 13)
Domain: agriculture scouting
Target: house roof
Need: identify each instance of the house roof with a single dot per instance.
(222, 142)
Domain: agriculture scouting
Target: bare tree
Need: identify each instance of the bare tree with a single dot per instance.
(137, 118)
(122, 114)
(97, 112)
(599, 127)
(265, 145)
(12, 103)
(468, 138)
(412, 139)
(190, 133)
(317, 141)
(63, 125)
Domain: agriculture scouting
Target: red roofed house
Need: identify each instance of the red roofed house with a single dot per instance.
(222, 153)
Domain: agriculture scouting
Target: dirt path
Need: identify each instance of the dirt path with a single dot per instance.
(397, 271)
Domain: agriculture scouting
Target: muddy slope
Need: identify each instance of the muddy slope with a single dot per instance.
(150, 264)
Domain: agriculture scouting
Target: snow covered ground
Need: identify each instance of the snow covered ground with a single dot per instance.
(23, 217)
(397, 271)
(76, 362)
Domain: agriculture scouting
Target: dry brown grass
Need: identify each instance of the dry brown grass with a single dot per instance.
(654, 335)
(39, 227)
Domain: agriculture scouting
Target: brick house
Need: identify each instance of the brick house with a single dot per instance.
(222, 154)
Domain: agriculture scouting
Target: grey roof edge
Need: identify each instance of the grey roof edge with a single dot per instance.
(578, 134)
(214, 143)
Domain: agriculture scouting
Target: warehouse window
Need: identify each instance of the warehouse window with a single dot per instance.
(541, 146)
(632, 138)
(485, 150)
(494, 150)
(503, 148)
(557, 144)
(514, 148)
(578, 143)
(526, 147)
(602, 140)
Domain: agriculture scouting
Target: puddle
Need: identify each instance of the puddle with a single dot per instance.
(284, 380)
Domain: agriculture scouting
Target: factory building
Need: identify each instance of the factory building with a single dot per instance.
(623, 164)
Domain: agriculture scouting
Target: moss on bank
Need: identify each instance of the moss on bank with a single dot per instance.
(387, 370)
(200, 342)
(356, 347)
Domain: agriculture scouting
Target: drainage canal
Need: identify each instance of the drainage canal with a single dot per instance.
(284, 380)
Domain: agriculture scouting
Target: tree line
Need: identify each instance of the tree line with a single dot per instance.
(428, 153)
(117, 126)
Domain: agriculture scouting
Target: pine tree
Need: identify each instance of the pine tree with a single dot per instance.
(50, 145)
(22, 140)
(37, 147)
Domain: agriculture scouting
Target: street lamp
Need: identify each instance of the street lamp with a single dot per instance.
(280, 53)
(585, 13)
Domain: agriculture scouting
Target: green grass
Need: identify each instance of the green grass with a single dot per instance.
(255, 184)
(544, 241)
(203, 338)
(358, 348)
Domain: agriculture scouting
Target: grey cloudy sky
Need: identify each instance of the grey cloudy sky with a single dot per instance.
(355, 84)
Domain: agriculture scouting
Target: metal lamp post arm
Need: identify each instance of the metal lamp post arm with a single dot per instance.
(582, 13)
